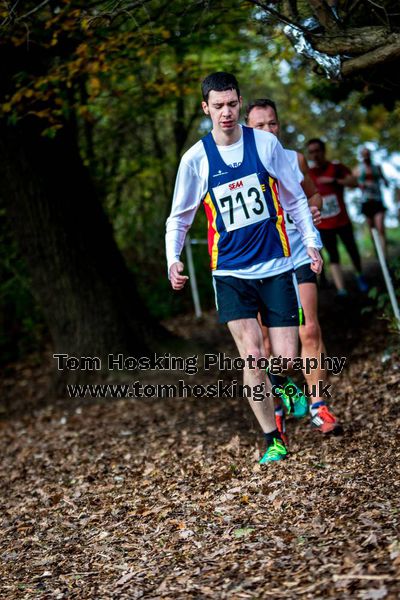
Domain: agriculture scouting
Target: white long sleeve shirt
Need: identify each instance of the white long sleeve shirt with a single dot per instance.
(298, 251)
(191, 188)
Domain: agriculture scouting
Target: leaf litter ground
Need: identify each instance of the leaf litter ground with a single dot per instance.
(165, 498)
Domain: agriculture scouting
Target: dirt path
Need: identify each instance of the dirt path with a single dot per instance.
(165, 499)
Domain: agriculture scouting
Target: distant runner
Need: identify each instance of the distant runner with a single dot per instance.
(262, 114)
(241, 176)
(331, 179)
(369, 178)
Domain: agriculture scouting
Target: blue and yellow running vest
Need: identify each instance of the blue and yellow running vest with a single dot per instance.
(245, 219)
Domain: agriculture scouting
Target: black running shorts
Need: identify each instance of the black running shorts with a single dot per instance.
(275, 298)
(305, 275)
(370, 208)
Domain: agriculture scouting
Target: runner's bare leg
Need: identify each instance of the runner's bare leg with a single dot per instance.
(249, 341)
(310, 335)
(337, 276)
(379, 223)
(284, 342)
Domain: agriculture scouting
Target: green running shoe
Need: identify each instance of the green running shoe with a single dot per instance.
(293, 398)
(275, 451)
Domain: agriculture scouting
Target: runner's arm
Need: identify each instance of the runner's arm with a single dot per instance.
(186, 200)
(313, 196)
(385, 181)
(292, 197)
(345, 177)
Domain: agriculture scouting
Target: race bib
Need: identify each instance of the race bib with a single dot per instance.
(241, 202)
(289, 223)
(330, 206)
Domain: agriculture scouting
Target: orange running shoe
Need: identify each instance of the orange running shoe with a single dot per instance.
(281, 427)
(324, 420)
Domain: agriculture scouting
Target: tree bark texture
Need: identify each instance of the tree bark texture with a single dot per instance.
(354, 41)
(373, 59)
(323, 13)
(87, 294)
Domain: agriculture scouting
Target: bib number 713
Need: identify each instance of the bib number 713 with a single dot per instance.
(241, 202)
(238, 199)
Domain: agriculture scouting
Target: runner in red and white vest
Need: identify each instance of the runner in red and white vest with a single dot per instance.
(330, 179)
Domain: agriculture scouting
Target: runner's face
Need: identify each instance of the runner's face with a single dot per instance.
(223, 108)
(264, 117)
(366, 155)
(316, 154)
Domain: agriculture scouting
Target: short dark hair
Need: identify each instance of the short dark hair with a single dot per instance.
(262, 103)
(316, 141)
(219, 82)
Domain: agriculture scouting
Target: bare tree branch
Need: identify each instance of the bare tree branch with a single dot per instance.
(351, 9)
(324, 14)
(354, 41)
(290, 8)
(280, 16)
(118, 9)
(375, 58)
(31, 12)
(381, 8)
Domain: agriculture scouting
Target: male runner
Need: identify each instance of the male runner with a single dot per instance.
(262, 114)
(369, 177)
(235, 172)
(331, 179)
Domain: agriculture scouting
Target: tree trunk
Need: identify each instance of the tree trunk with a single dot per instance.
(87, 295)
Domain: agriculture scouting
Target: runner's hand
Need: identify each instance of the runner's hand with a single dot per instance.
(177, 280)
(316, 215)
(316, 258)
